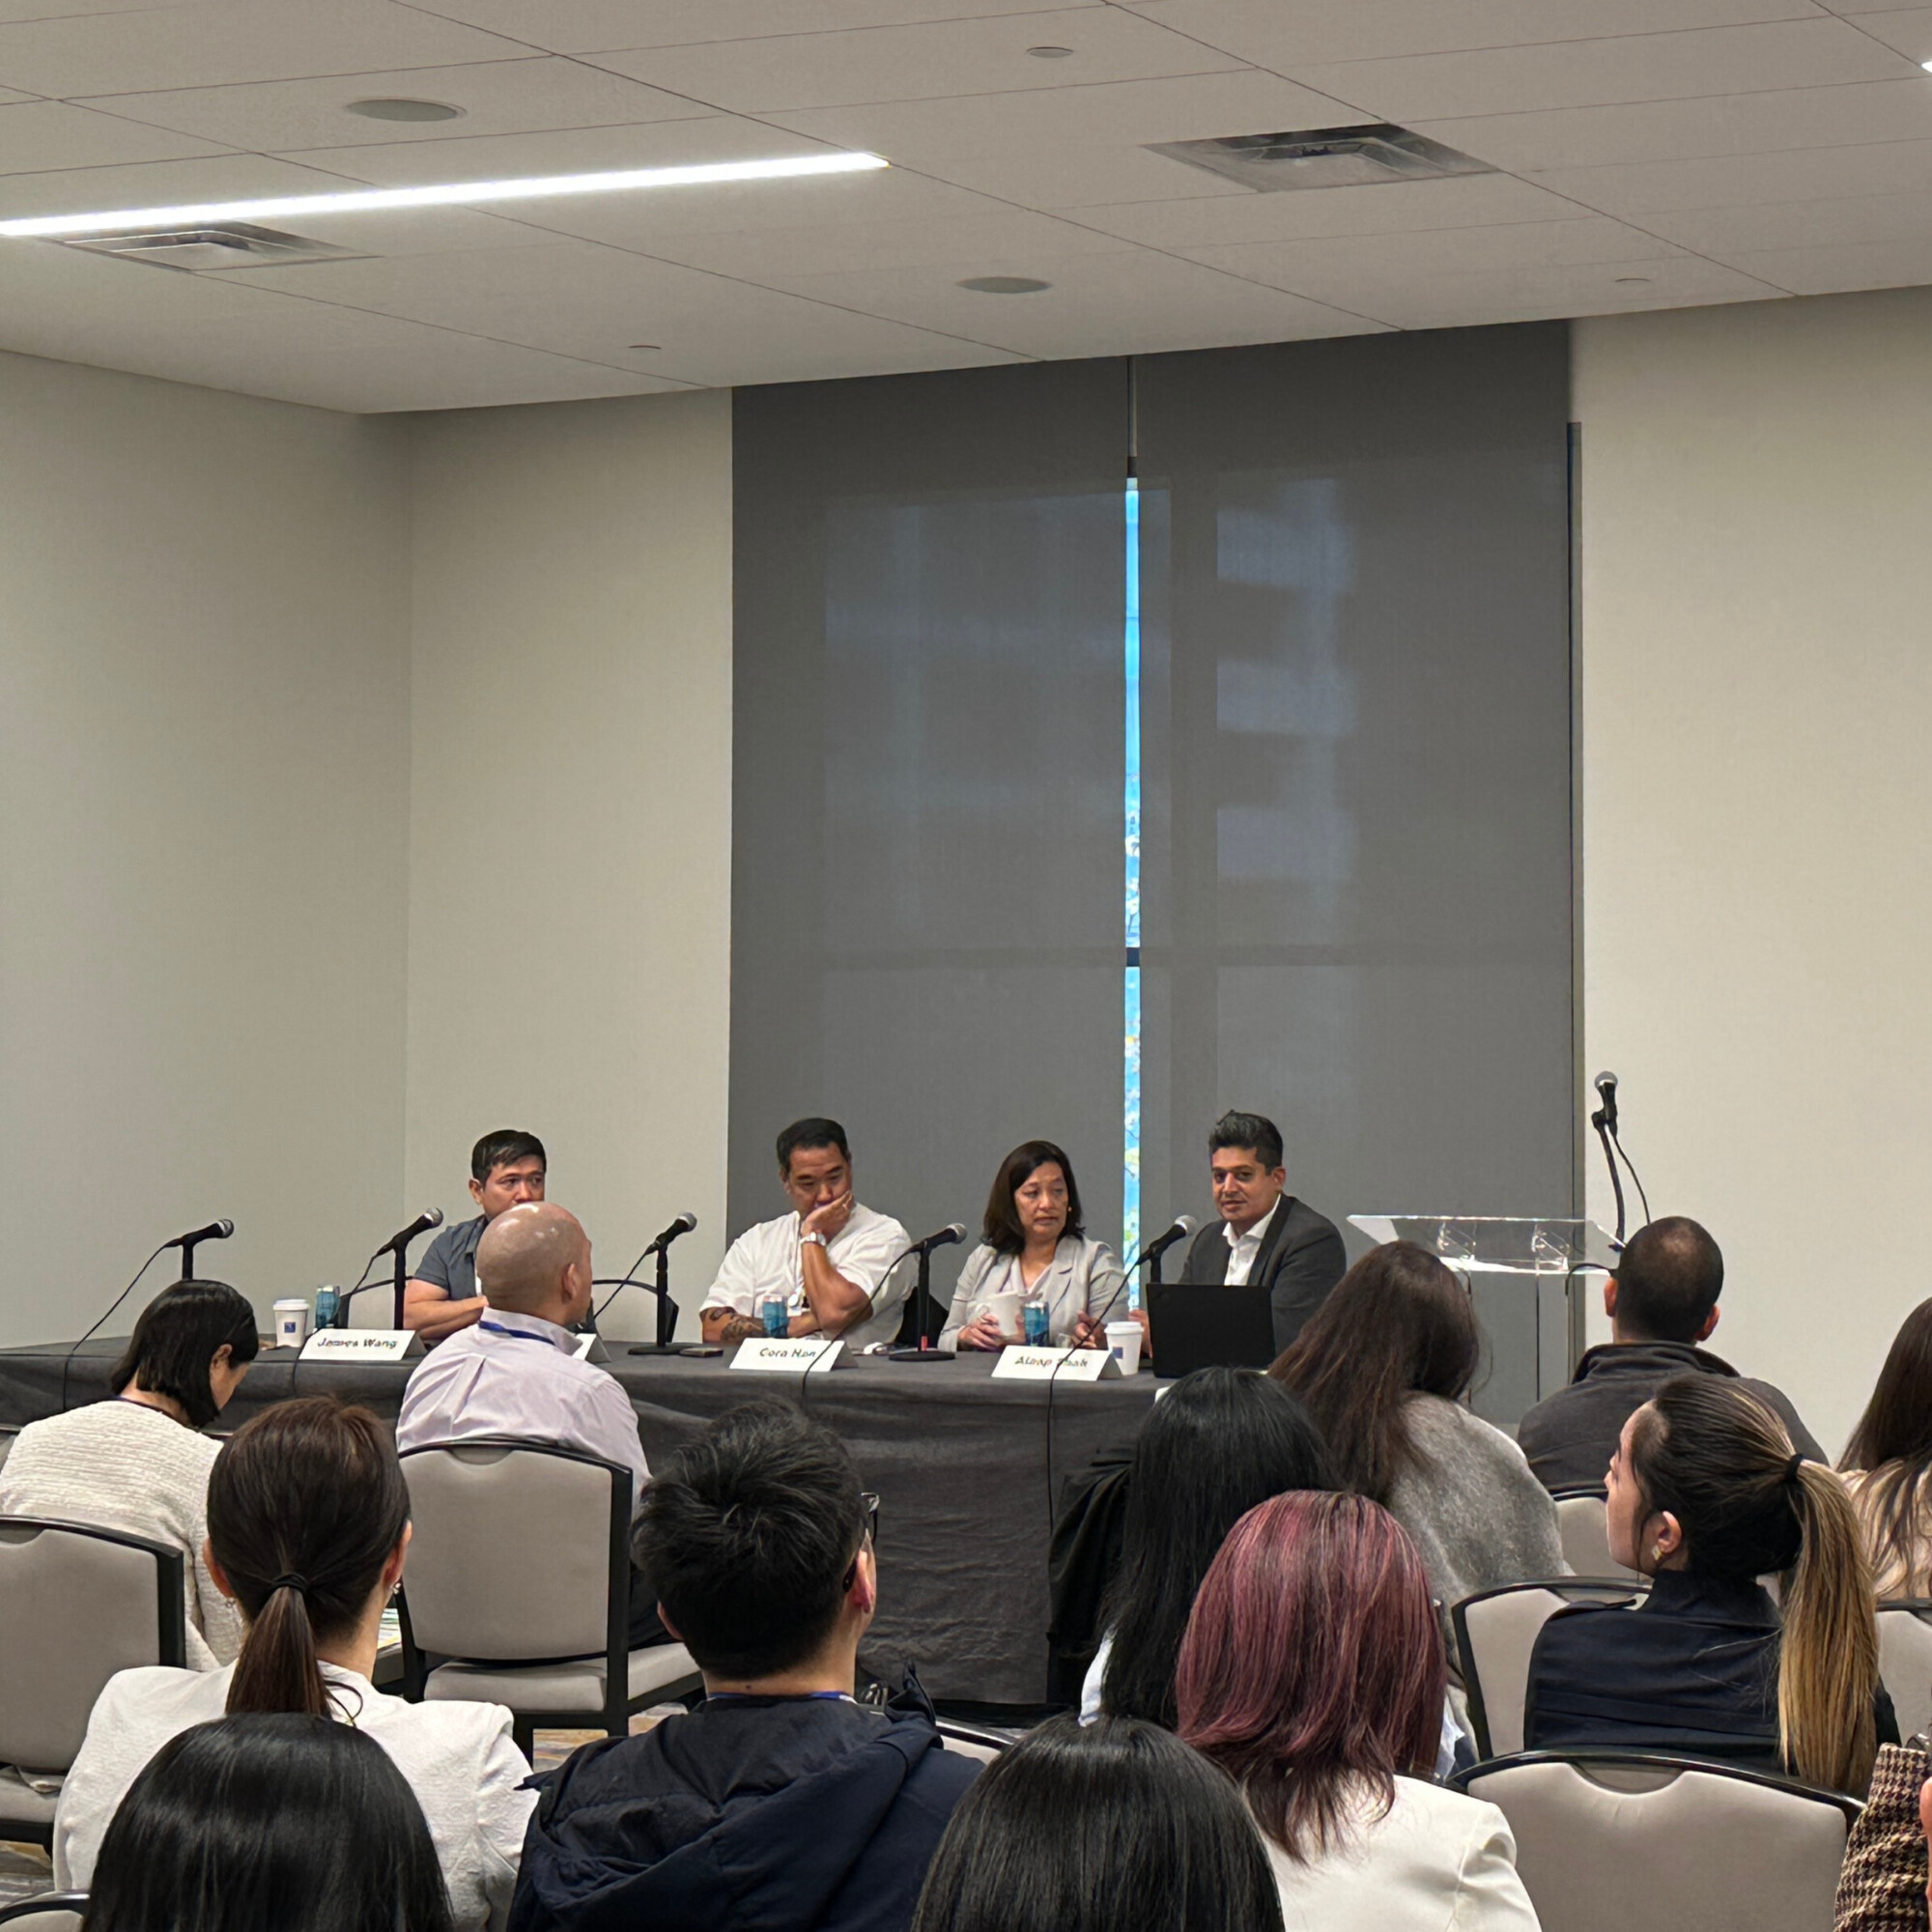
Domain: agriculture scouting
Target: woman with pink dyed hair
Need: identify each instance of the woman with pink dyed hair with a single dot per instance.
(1312, 1672)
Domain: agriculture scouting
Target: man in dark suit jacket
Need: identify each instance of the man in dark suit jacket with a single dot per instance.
(1265, 1237)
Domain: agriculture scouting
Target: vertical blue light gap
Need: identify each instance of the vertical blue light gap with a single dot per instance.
(1130, 643)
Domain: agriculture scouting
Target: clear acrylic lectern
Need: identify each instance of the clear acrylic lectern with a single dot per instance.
(1527, 1278)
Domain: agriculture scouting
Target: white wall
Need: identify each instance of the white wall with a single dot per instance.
(203, 727)
(570, 812)
(1756, 710)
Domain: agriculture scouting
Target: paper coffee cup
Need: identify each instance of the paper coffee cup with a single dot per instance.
(1123, 1344)
(291, 1323)
(1004, 1309)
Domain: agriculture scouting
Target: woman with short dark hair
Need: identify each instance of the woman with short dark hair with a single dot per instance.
(1888, 1461)
(1220, 1441)
(1115, 1827)
(1313, 1674)
(250, 1823)
(1034, 1246)
(308, 1523)
(1384, 1365)
(139, 1462)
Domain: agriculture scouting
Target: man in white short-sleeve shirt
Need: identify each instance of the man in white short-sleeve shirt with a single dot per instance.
(828, 1258)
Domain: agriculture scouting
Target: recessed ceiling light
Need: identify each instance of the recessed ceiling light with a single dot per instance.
(399, 109)
(1051, 53)
(646, 348)
(454, 194)
(1624, 280)
(1004, 285)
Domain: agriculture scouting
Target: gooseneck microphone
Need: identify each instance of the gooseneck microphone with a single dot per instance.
(397, 1245)
(1605, 1121)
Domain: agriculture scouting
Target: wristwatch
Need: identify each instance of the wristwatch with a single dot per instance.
(815, 1239)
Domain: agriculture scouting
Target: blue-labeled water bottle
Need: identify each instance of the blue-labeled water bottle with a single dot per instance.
(1035, 1314)
(326, 1301)
(776, 1315)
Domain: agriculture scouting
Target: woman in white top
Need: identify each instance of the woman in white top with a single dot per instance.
(140, 1462)
(1034, 1246)
(308, 1525)
(1312, 1672)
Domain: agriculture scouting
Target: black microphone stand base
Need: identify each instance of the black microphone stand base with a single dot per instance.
(920, 1356)
(656, 1348)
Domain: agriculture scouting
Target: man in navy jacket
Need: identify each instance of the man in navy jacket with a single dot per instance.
(779, 1802)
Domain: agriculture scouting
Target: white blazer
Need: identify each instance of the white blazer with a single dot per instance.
(1082, 1279)
(1438, 1862)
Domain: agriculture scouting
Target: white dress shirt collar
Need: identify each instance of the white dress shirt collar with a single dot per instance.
(500, 1324)
(1243, 1248)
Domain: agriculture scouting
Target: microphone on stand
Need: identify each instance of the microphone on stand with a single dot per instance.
(1604, 1122)
(1183, 1226)
(954, 1230)
(398, 1245)
(214, 1231)
(684, 1223)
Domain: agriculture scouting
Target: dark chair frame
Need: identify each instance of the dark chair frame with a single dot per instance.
(1610, 1587)
(615, 1716)
(1583, 1757)
(42, 1903)
(170, 1618)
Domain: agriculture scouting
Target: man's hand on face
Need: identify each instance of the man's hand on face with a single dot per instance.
(830, 1219)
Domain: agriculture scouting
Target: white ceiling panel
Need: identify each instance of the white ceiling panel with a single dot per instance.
(950, 57)
(1036, 122)
(49, 9)
(1641, 188)
(39, 135)
(580, 300)
(1105, 303)
(507, 97)
(1909, 29)
(1586, 73)
(1731, 231)
(1834, 268)
(1672, 131)
(592, 26)
(1087, 175)
(1287, 35)
(1536, 294)
(1457, 201)
(160, 185)
(225, 41)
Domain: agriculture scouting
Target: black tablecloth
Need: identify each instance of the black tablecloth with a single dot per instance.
(965, 1468)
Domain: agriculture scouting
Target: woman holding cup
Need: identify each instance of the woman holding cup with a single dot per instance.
(1035, 1262)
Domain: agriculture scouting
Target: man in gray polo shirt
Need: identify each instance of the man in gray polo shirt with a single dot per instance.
(506, 1169)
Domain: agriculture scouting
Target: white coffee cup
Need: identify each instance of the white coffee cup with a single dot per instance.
(1004, 1309)
(1123, 1344)
(291, 1323)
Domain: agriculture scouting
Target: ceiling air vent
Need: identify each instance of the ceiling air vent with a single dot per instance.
(1324, 157)
(220, 244)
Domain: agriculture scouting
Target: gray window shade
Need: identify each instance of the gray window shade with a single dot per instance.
(1355, 706)
(926, 841)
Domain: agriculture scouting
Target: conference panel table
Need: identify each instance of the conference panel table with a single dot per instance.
(966, 1469)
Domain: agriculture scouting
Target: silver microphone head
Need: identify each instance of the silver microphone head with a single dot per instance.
(1605, 1083)
(432, 1218)
(1186, 1223)
(686, 1222)
(955, 1230)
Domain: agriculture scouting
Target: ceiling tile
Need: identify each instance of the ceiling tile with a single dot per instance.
(507, 97)
(951, 57)
(592, 26)
(1909, 29)
(1583, 74)
(49, 9)
(591, 303)
(1667, 130)
(1098, 306)
(1287, 35)
(1730, 232)
(1086, 176)
(1541, 293)
(225, 40)
(1457, 201)
(1832, 268)
(160, 185)
(1641, 188)
(39, 135)
(1054, 121)
(1329, 269)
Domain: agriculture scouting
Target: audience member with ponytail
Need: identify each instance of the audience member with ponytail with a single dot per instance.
(307, 1530)
(1705, 1496)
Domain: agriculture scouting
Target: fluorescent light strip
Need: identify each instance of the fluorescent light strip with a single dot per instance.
(450, 195)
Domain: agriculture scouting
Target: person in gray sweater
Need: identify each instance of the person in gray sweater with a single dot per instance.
(1382, 1369)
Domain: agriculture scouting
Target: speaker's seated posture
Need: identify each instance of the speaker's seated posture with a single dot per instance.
(778, 1802)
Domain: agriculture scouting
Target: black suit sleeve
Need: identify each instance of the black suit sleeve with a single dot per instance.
(1311, 1261)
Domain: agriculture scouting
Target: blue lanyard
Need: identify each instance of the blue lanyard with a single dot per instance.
(516, 1334)
(780, 1697)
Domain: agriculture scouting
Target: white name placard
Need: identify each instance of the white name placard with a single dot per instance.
(787, 1354)
(591, 1348)
(1055, 1365)
(363, 1344)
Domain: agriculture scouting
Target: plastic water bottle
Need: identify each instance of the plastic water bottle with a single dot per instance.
(776, 1315)
(326, 1301)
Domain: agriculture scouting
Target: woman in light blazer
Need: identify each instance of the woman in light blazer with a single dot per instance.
(1032, 1244)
